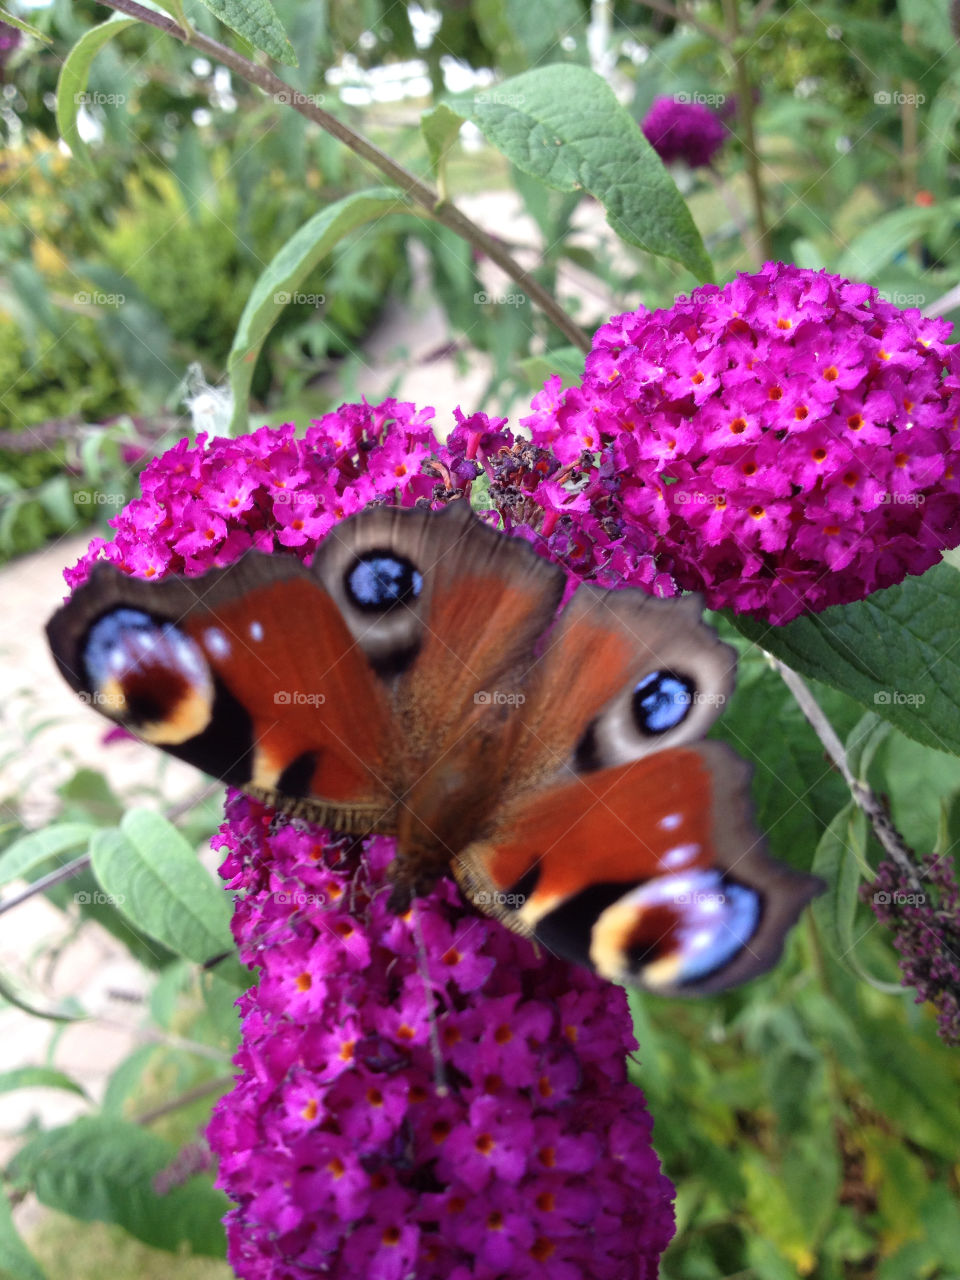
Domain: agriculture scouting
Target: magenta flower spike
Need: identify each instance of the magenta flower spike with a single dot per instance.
(420, 1095)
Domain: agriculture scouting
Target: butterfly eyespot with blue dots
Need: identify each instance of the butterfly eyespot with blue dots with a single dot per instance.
(377, 580)
(662, 700)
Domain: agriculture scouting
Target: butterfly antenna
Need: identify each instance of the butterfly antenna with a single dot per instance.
(439, 1074)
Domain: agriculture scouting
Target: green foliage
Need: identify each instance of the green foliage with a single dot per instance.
(892, 652)
(563, 126)
(104, 1170)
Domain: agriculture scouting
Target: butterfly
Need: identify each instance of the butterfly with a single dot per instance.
(420, 680)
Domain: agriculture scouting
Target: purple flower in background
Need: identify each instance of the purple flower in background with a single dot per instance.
(925, 924)
(10, 38)
(783, 443)
(456, 1109)
(687, 131)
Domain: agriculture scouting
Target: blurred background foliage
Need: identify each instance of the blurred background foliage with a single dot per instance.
(810, 1122)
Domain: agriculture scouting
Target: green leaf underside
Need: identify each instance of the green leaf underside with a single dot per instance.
(73, 80)
(102, 1169)
(286, 270)
(33, 850)
(564, 125)
(158, 883)
(440, 128)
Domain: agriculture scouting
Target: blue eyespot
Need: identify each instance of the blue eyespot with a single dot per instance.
(380, 579)
(709, 918)
(661, 701)
(113, 640)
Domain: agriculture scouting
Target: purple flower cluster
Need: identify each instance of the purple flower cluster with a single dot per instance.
(687, 131)
(784, 443)
(203, 505)
(345, 1155)
(926, 931)
(340, 1152)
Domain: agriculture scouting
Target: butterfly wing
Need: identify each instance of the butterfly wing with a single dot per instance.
(247, 672)
(331, 691)
(623, 842)
(652, 873)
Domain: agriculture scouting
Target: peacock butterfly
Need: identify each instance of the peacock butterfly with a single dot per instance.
(417, 680)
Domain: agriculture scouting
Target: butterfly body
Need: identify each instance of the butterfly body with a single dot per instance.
(420, 680)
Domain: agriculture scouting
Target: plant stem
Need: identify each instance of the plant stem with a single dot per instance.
(448, 215)
(864, 797)
(745, 110)
(184, 1100)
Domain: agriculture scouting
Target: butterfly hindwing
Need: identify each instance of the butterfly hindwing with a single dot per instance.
(623, 842)
(652, 872)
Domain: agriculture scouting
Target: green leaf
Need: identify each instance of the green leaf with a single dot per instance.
(917, 780)
(440, 128)
(72, 85)
(564, 125)
(895, 652)
(13, 21)
(257, 22)
(283, 274)
(795, 790)
(38, 1078)
(33, 850)
(125, 1078)
(56, 497)
(567, 361)
(156, 881)
(102, 1169)
(888, 235)
(16, 1261)
(863, 742)
(520, 32)
(839, 859)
